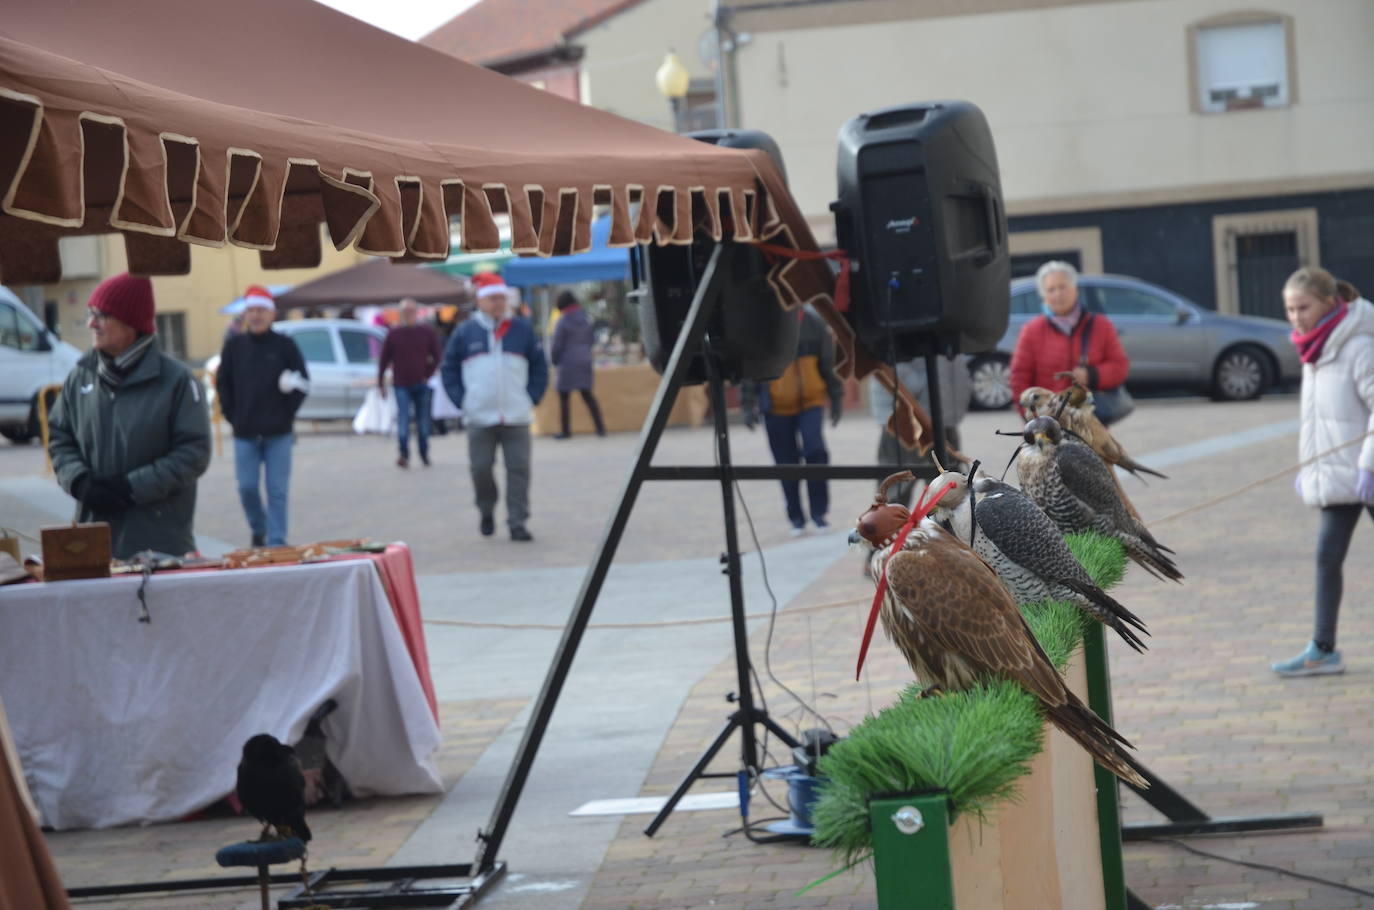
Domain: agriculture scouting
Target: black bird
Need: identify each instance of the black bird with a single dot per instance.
(271, 786)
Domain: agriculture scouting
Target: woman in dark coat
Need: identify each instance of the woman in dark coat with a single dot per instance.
(572, 355)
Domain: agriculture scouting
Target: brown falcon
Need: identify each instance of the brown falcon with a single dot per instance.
(1073, 408)
(955, 622)
(1076, 489)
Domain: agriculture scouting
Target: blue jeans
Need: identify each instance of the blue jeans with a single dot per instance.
(417, 397)
(796, 439)
(252, 458)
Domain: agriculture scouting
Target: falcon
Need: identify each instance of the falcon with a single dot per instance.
(1076, 489)
(1073, 408)
(271, 786)
(955, 623)
(1020, 543)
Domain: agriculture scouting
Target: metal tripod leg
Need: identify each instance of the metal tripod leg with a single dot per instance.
(694, 774)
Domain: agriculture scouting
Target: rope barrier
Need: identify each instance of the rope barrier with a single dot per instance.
(1218, 500)
(559, 627)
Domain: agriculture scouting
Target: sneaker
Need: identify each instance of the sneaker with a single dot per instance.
(798, 530)
(518, 533)
(562, 436)
(488, 526)
(1313, 661)
(820, 523)
(402, 462)
(259, 540)
(424, 458)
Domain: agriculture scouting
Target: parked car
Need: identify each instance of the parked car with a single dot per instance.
(31, 358)
(341, 355)
(1171, 342)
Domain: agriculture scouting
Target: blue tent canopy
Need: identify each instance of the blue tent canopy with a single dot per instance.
(600, 263)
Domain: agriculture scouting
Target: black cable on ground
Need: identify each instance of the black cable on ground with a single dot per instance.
(1265, 867)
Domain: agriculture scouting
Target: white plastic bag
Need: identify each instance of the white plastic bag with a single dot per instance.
(377, 415)
(441, 407)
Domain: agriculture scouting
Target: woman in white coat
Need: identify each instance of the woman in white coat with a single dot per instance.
(1333, 328)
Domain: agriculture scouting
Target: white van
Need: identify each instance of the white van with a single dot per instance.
(31, 357)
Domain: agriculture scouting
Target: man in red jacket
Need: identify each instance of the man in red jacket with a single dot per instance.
(1066, 343)
(413, 353)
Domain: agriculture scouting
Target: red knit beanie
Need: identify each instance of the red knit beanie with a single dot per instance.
(128, 299)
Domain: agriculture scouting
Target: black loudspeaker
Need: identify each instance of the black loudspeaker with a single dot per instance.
(920, 214)
(756, 336)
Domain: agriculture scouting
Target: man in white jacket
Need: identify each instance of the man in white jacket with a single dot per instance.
(494, 369)
(1333, 328)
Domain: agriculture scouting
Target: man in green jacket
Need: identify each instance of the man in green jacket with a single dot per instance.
(130, 433)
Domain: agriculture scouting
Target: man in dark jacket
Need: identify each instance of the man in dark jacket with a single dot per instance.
(412, 352)
(793, 407)
(130, 433)
(262, 381)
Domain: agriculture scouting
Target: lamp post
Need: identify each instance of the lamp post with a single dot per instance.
(673, 80)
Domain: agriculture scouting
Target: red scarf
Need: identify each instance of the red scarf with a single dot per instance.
(1310, 345)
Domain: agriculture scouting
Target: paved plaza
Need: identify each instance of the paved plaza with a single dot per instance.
(647, 693)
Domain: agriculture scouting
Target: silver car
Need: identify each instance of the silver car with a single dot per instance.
(1171, 342)
(341, 356)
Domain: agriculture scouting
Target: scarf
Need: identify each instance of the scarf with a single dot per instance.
(1066, 322)
(113, 370)
(1310, 345)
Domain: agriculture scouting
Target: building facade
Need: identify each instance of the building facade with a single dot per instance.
(1208, 146)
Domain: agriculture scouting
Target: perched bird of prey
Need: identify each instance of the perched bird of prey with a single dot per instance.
(1073, 408)
(1075, 488)
(271, 786)
(955, 622)
(1026, 549)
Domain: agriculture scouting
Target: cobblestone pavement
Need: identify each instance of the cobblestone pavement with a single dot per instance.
(1202, 706)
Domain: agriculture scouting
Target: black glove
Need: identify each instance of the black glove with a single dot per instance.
(836, 412)
(108, 494)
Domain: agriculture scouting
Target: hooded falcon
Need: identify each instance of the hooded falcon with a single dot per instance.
(955, 622)
(1073, 408)
(1075, 488)
(1026, 550)
(271, 786)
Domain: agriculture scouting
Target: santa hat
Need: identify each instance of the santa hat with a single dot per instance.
(488, 283)
(128, 299)
(257, 295)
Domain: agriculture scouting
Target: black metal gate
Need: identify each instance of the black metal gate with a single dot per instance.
(1263, 263)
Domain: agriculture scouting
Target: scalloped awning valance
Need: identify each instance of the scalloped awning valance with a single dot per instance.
(249, 123)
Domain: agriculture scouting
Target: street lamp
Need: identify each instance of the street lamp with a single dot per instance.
(673, 81)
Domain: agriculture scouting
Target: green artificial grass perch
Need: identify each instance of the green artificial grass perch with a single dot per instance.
(974, 744)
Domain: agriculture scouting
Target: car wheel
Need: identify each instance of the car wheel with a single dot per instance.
(991, 375)
(1240, 374)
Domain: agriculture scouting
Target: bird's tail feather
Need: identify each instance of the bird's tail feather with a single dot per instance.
(1153, 560)
(1135, 467)
(1110, 613)
(1105, 745)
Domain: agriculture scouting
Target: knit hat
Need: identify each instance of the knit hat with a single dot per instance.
(489, 283)
(257, 295)
(128, 299)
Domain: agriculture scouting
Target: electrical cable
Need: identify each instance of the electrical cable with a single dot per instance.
(772, 615)
(1261, 866)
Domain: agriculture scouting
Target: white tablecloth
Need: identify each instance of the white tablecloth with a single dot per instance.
(120, 722)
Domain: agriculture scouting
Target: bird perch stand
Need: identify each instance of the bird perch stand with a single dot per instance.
(261, 855)
(1040, 850)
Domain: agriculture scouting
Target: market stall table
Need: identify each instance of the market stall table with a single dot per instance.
(120, 722)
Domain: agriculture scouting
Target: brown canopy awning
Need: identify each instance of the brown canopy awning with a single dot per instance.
(375, 282)
(197, 121)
